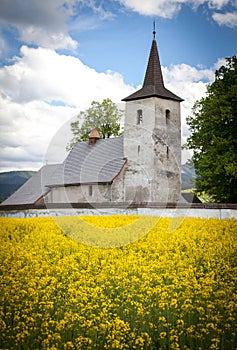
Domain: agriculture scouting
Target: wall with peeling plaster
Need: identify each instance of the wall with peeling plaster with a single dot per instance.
(153, 149)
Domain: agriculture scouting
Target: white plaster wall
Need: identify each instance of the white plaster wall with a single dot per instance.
(81, 194)
(153, 150)
(180, 213)
(117, 188)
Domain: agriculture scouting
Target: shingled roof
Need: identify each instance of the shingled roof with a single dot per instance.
(88, 164)
(153, 85)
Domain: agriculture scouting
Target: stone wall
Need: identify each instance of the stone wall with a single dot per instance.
(152, 145)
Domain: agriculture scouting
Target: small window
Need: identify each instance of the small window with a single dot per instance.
(167, 152)
(139, 117)
(138, 149)
(90, 190)
(167, 116)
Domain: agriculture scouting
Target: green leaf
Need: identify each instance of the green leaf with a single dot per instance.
(213, 126)
(104, 116)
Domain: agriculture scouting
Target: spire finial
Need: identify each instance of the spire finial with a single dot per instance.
(154, 29)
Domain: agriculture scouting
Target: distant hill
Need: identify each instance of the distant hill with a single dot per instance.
(11, 181)
(188, 176)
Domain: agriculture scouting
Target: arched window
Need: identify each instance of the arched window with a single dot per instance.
(167, 116)
(139, 117)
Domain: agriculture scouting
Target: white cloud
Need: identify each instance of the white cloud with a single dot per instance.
(218, 4)
(190, 83)
(39, 92)
(40, 22)
(220, 62)
(2, 46)
(162, 8)
(51, 14)
(43, 74)
(184, 72)
(228, 19)
(47, 23)
(169, 8)
(42, 37)
(26, 129)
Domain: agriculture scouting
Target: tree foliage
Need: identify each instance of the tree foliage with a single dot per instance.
(213, 137)
(104, 116)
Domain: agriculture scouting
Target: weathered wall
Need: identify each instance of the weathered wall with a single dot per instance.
(93, 193)
(172, 213)
(153, 150)
(80, 194)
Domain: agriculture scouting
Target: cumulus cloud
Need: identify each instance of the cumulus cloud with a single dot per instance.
(47, 23)
(26, 129)
(39, 92)
(162, 8)
(51, 14)
(59, 40)
(169, 8)
(43, 74)
(218, 4)
(228, 19)
(40, 22)
(190, 83)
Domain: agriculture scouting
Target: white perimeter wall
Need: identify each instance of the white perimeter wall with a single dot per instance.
(171, 213)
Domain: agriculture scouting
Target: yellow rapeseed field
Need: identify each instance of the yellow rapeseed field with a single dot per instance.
(118, 282)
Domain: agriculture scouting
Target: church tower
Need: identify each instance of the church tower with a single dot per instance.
(152, 139)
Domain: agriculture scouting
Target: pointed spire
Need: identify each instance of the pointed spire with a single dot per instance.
(153, 76)
(153, 85)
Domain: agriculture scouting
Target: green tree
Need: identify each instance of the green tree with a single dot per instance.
(213, 139)
(104, 116)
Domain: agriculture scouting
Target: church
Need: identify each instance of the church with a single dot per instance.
(142, 166)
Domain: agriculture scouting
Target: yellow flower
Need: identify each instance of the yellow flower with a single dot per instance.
(170, 287)
(163, 335)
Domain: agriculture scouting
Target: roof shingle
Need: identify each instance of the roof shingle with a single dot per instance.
(97, 163)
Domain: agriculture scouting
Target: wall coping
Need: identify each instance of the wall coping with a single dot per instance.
(119, 205)
(220, 211)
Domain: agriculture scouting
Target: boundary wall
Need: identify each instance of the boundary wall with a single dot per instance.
(218, 212)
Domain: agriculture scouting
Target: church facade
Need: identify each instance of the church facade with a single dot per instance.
(142, 166)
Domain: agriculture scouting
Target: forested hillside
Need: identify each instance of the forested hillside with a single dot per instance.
(11, 181)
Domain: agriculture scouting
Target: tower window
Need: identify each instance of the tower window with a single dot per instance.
(167, 116)
(139, 117)
(138, 149)
(90, 190)
(167, 152)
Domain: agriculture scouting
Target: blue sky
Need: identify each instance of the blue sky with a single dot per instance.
(58, 56)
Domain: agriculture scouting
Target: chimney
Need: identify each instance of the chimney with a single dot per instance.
(93, 136)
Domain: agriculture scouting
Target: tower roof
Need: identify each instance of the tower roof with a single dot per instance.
(153, 85)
